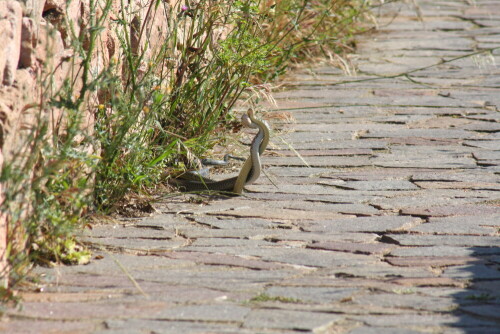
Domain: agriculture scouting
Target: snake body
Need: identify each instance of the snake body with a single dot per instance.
(249, 172)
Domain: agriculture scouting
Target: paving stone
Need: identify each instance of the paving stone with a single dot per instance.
(378, 144)
(488, 225)
(315, 258)
(310, 189)
(109, 266)
(321, 127)
(312, 137)
(426, 200)
(490, 118)
(29, 326)
(410, 161)
(458, 185)
(445, 251)
(285, 210)
(342, 209)
(377, 270)
(220, 278)
(297, 171)
(472, 271)
(407, 301)
(71, 311)
(377, 174)
(320, 279)
(223, 260)
(315, 161)
(345, 200)
(64, 297)
(217, 223)
(487, 144)
(279, 213)
(357, 248)
(485, 311)
(488, 163)
(424, 133)
(424, 320)
(286, 319)
(322, 237)
(483, 127)
(459, 295)
(478, 290)
(83, 282)
(226, 242)
(320, 93)
(429, 281)
(454, 176)
(141, 244)
(210, 312)
(135, 231)
(462, 210)
(489, 155)
(318, 206)
(430, 261)
(475, 330)
(447, 240)
(311, 294)
(375, 185)
(461, 44)
(421, 141)
(362, 224)
(386, 330)
(168, 327)
(429, 24)
(330, 152)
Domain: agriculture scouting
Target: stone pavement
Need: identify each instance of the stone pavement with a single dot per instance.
(393, 227)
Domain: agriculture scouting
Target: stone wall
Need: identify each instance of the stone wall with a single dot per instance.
(34, 38)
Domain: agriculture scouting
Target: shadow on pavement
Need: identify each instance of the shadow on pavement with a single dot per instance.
(478, 305)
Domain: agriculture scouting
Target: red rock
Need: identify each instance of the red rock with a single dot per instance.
(3, 240)
(28, 43)
(10, 39)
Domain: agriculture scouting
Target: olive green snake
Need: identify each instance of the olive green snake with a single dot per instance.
(250, 170)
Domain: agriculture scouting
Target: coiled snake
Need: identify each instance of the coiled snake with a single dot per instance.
(249, 172)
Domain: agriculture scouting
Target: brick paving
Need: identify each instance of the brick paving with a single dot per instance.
(394, 227)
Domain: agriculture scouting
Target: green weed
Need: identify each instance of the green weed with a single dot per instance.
(484, 297)
(267, 298)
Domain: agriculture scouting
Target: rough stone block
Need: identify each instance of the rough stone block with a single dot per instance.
(28, 43)
(11, 17)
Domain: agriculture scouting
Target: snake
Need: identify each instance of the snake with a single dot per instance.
(249, 173)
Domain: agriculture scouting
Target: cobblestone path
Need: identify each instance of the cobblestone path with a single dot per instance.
(393, 227)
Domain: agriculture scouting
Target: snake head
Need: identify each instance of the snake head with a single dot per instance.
(246, 119)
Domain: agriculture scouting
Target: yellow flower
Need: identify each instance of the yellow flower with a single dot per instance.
(145, 109)
(101, 107)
